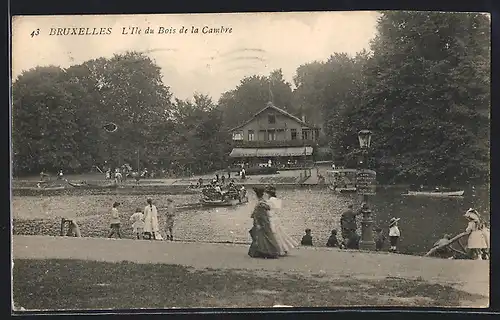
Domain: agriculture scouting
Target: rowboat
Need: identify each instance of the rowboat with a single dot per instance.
(436, 193)
(346, 189)
(223, 203)
(41, 188)
(93, 186)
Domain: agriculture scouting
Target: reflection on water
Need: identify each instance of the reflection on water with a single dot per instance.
(423, 219)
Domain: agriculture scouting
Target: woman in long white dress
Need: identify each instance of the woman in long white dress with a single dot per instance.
(285, 242)
(151, 227)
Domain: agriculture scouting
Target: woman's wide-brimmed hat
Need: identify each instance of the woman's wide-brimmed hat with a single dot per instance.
(259, 190)
(393, 221)
(472, 214)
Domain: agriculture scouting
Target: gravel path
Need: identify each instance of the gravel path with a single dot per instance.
(467, 275)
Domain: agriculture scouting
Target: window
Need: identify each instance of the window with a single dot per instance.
(294, 134)
(271, 118)
(271, 135)
(305, 135)
(262, 135)
(238, 135)
(251, 135)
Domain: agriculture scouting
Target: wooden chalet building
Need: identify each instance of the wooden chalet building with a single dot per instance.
(276, 135)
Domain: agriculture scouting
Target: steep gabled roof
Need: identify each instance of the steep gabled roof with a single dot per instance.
(271, 106)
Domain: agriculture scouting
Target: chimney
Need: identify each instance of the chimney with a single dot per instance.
(303, 118)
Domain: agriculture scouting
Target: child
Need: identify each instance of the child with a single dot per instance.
(479, 236)
(137, 220)
(394, 233)
(307, 238)
(379, 239)
(332, 241)
(170, 219)
(115, 221)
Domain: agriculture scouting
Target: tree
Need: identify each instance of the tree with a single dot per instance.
(200, 142)
(427, 92)
(133, 96)
(47, 109)
(252, 95)
(59, 114)
(326, 90)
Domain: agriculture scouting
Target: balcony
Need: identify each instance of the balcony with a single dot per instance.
(273, 143)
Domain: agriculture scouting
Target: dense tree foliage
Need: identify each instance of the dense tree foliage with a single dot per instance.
(59, 114)
(325, 91)
(427, 98)
(423, 89)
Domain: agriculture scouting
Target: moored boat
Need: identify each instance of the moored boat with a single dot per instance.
(436, 193)
(41, 188)
(93, 186)
(340, 189)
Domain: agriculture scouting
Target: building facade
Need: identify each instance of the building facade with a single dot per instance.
(274, 136)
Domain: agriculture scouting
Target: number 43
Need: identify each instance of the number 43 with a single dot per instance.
(35, 33)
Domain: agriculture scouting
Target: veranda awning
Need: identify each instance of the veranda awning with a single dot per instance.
(243, 152)
(271, 152)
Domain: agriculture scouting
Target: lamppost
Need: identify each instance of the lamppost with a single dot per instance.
(365, 184)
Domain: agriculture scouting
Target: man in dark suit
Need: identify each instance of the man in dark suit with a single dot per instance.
(349, 226)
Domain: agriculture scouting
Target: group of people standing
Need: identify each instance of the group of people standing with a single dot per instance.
(269, 240)
(145, 222)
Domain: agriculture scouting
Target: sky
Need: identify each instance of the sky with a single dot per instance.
(196, 62)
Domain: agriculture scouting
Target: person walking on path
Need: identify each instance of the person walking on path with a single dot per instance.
(169, 223)
(479, 236)
(151, 228)
(264, 244)
(137, 220)
(115, 221)
(394, 234)
(285, 242)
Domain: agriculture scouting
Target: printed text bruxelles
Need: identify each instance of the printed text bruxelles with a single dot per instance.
(80, 31)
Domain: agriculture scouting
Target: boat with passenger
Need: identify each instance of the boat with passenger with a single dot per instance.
(215, 196)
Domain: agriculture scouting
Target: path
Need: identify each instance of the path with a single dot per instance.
(466, 275)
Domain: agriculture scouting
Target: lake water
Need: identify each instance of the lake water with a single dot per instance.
(423, 219)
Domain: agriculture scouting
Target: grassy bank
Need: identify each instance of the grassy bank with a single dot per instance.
(73, 284)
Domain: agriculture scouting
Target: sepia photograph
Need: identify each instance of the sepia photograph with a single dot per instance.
(250, 160)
